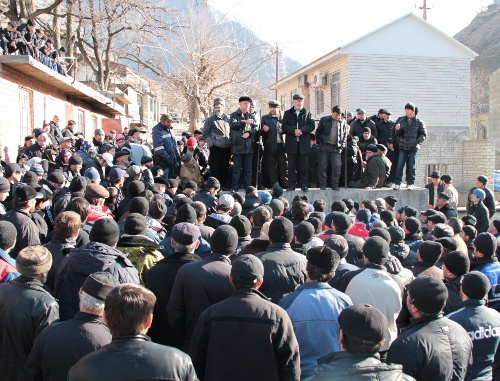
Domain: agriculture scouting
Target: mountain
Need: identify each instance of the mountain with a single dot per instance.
(482, 35)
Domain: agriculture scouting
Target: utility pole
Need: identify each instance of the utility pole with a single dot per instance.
(424, 8)
(277, 68)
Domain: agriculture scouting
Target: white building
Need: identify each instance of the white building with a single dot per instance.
(407, 60)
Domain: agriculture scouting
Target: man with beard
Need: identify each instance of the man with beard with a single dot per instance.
(216, 132)
(274, 149)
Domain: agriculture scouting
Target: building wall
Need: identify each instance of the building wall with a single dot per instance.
(494, 117)
(43, 102)
(438, 86)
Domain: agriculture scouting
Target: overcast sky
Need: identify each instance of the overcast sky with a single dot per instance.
(301, 27)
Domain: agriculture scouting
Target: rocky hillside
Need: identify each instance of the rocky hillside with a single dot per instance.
(483, 36)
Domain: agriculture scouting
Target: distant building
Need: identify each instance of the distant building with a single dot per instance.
(407, 60)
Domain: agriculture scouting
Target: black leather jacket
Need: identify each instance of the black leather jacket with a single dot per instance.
(134, 357)
(411, 133)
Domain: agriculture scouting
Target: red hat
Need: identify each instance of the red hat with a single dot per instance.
(191, 142)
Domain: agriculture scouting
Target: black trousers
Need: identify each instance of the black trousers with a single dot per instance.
(298, 166)
(219, 164)
(277, 167)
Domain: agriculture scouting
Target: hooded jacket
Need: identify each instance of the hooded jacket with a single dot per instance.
(82, 262)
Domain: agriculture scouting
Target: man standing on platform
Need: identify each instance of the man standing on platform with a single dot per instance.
(216, 132)
(243, 129)
(297, 125)
(274, 146)
(331, 136)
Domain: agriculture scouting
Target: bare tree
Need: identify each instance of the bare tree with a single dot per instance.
(202, 60)
(17, 9)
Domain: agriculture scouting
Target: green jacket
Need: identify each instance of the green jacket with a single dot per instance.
(142, 251)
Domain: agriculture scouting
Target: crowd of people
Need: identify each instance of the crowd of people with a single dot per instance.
(24, 38)
(119, 262)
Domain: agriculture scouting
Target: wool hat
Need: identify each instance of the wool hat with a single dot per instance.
(106, 231)
(323, 257)
(476, 285)
(100, 284)
(212, 182)
(380, 202)
(277, 190)
(242, 225)
(265, 197)
(470, 231)
(4, 185)
(387, 216)
(435, 175)
(186, 158)
(121, 153)
(410, 211)
(226, 200)
(26, 193)
(397, 233)
(349, 203)
(29, 178)
(180, 200)
(250, 190)
(139, 205)
(483, 179)
(247, 269)
(380, 232)
(304, 232)
(236, 210)
(430, 251)
(56, 177)
(469, 219)
(191, 185)
(157, 209)
(244, 99)
(410, 106)
(298, 96)
(277, 206)
(136, 188)
(192, 142)
(78, 184)
(376, 249)
(442, 230)
(496, 224)
(428, 294)
(134, 171)
(146, 159)
(273, 103)
(238, 197)
(372, 148)
(486, 244)
(224, 240)
(363, 323)
(378, 224)
(367, 129)
(363, 215)
(8, 234)
(391, 200)
(185, 233)
(99, 131)
(448, 243)
(457, 262)
(117, 173)
(281, 230)
(75, 159)
(479, 193)
(316, 223)
(135, 224)
(412, 225)
(338, 243)
(186, 213)
(361, 111)
(96, 191)
(33, 260)
(341, 221)
(38, 169)
(429, 212)
(92, 174)
(438, 218)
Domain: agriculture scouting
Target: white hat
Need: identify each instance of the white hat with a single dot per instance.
(108, 158)
(226, 200)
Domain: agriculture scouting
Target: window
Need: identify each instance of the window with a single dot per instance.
(25, 125)
(335, 89)
(81, 121)
(95, 122)
(435, 167)
(320, 101)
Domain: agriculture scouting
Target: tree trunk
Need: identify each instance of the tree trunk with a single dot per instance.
(57, 30)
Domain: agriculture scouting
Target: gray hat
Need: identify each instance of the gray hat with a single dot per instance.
(247, 268)
(34, 260)
(186, 158)
(185, 233)
(4, 185)
(274, 103)
(99, 284)
(298, 96)
(99, 131)
(8, 233)
(92, 174)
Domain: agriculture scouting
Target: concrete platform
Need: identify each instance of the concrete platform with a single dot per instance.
(418, 198)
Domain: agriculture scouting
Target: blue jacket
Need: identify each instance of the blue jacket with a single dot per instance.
(165, 147)
(491, 268)
(483, 326)
(314, 309)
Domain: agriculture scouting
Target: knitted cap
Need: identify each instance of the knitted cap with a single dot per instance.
(34, 260)
(224, 240)
(476, 285)
(428, 294)
(457, 262)
(281, 230)
(430, 251)
(324, 258)
(376, 249)
(100, 284)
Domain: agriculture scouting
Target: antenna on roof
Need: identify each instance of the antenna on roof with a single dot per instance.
(424, 9)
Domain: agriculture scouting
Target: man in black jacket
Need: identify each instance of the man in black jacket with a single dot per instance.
(160, 280)
(61, 345)
(274, 146)
(432, 347)
(489, 198)
(245, 337)
(435, 187)
(331, 136)
(243, 128)
(131, 355)
(411, 132)
(27, 308)
(200, 284)
(297, 125)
